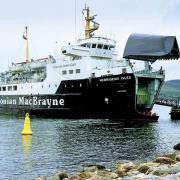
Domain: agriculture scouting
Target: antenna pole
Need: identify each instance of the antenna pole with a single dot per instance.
(87, 34)
(27, 45)
(75, 22)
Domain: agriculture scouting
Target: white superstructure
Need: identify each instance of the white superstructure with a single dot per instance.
(89, 57)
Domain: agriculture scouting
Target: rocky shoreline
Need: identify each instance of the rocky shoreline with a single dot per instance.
(161, 168)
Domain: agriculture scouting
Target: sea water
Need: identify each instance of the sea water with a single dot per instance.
(61, 144)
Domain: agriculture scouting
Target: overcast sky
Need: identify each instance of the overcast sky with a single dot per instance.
(52, 21)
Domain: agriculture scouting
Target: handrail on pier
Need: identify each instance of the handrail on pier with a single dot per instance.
(168, 101)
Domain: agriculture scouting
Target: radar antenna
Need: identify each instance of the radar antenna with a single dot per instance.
(89, 30)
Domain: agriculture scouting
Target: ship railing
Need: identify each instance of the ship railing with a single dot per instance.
(172, 101)
(23, 81)
(152, 72)
(98, 38)
(34, 64)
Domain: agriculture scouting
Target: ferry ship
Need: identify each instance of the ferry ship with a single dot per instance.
(88, 80)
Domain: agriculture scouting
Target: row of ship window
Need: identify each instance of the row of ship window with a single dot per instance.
(9, 88)
(99, 46)
(14, 88)
(71, 71)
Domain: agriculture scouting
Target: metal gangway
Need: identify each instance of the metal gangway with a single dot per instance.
(168, 101)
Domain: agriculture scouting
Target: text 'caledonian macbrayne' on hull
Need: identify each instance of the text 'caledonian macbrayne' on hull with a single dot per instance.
(88, 80)
(31, 101)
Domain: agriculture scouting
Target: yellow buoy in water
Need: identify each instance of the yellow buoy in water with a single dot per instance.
(27, 126)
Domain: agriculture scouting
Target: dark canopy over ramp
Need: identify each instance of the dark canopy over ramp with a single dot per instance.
(151, 47)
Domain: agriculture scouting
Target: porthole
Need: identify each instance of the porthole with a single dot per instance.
(77, 71)
(14, 88)
(9, 88)
(64, 72)
(71, 71)
(3, 88)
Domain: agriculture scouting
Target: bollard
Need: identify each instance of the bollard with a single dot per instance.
(27, 126)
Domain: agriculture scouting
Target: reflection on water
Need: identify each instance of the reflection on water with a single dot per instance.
(67, 144)
(27, 140)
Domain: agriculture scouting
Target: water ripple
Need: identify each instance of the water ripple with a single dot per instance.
(59, 144)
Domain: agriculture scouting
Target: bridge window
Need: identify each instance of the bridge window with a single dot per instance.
(106, 47)
(77, 71)
(83, 45)
(111, 48)
(88, 45)
(100, 46)
(93, 45)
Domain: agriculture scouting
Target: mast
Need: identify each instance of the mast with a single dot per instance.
(25, 36)
(89, 30)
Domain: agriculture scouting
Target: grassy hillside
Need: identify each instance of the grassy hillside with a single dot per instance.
(171, 88)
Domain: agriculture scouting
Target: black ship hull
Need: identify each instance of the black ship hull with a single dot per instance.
(104, 97)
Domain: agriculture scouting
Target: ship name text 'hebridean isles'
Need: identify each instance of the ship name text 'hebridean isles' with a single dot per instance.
(115, 78)
(32, 101)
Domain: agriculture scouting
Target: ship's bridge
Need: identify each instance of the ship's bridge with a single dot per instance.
(100, 40)
(98, 47)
